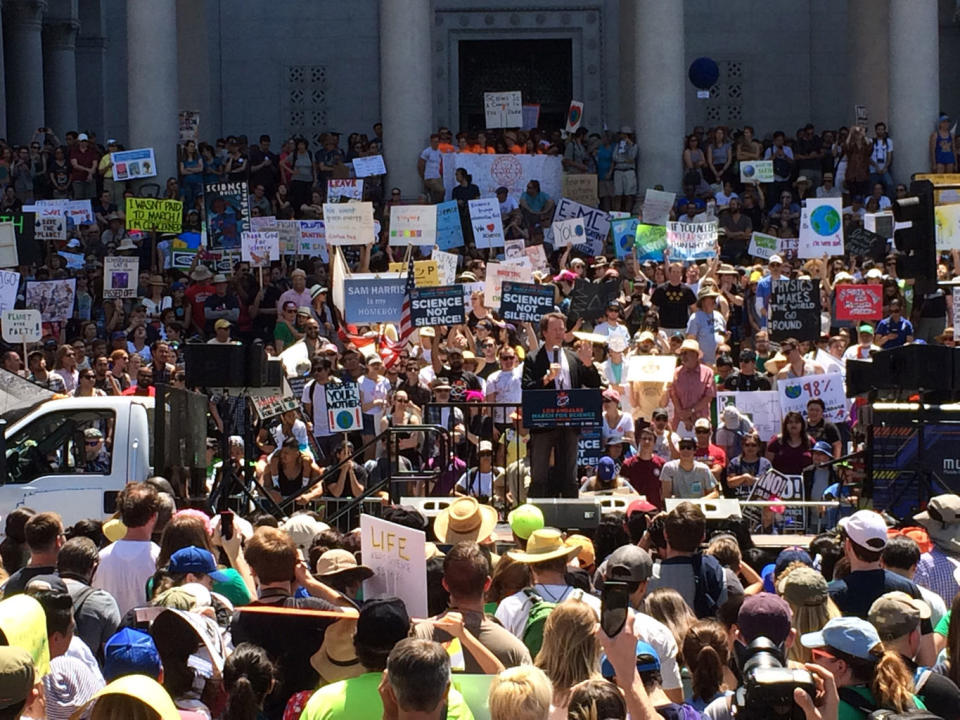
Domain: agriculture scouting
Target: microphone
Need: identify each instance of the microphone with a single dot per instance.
(556, 354)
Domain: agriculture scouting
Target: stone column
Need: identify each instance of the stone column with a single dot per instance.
(91, 69)
(914, 83)
(23, 54)
(628, 61)
(60, 73)
(152, 81)
(868, 46)
(660, 92)
(406, 95)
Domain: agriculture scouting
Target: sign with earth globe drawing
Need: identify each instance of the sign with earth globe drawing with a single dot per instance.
(343, 406)
(821, 228)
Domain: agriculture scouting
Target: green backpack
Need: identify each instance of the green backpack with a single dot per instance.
(540, 609)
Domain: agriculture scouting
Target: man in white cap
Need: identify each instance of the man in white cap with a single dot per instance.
(766, 285)
(478, 482)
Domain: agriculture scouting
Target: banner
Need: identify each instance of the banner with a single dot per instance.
(657, 205)
(794, 310)
(859, 302)
(624, 235)
(371, 299)
(503, 109)
(413, 225)
(692, 241)
(313, 238)
(574, 116)
(348, 223)
(337, 188)
(568, 232)
(946, 221)
(762, 407)
(8, 245)
(189, 122)
(437, 306)
(120, 276)
(651, 241)
(510, 171)
(821, 228)
(53, 298)
(525, 302)
(449, 230)
(260, 248)
(343, 406)
(756, 171)
(367, 166)
(398, 557)
(9, 285)
(164, 216)
(596, 225)
(797, 392)
(133, 164)
(865, 243)
(21, 326)
(589, 299)
(581, 188)
(486, 223)
(228, 213)
(763, 246)
(580, 407)
(496, 274)
(651, 368)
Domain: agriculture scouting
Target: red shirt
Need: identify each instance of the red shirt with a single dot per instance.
(644, 477)
(86, 159)
(197, 295)
(714, 455)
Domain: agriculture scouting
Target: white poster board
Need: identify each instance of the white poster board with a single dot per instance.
(120, 277)
(651, 368)
(351, 188)
(9, 284)
(21, 326)
(367, 166)
(413, 225)
(496, 274)
(397, 555)
(796, 393)
(8, 245)
(568, 232)
(260, 248)
(656, 206)
(762, 407)
(348, 223)
(503, 109)
(486, 222)
(821, 228)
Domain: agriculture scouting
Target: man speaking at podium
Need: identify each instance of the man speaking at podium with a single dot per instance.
(553, 367)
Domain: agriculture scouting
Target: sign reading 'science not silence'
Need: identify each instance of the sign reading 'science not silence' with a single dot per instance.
(434, 306)
(525, 302)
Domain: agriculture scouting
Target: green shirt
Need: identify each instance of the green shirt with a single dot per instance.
(849, 712)
(943, 627)
(358, 698)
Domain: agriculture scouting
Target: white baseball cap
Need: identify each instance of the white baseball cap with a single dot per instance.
(866, 528)
(775, 260)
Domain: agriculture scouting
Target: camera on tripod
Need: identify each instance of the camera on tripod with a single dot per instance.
(768, 683)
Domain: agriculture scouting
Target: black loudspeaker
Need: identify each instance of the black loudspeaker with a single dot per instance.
(566, 514)
(916, 241)
(927, 367)
(274, 372)
(864, 376)
(215, 365)
(256, 365)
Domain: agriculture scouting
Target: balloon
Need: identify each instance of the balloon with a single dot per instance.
(703, 73)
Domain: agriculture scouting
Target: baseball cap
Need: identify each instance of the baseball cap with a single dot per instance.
(641, 506)
(822, 446)
(865, 528)
(896, 614)
(606, 468)
(130, 652)
(629, 563)
(82, 136)
(804, 586)
(748, 356)
(866, 328)
(791, 555)
(851, 635)
(221, 323)
(660, 413)
(587, 555)
(764, 615)
(198, 561)
(92, 434)
(775, 259)
(16, 676)
(383, 622)
(702, 423)
(302, 529)
(525, 519)
(647, 660)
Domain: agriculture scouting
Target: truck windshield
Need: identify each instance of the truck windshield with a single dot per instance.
(60, 443)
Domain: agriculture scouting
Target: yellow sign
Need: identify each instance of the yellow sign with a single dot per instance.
(425, 272)
(154, 214)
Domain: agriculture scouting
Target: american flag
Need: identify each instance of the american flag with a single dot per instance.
(390, 350)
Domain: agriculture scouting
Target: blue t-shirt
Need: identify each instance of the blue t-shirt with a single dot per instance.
(537, 202)
(902, 327)
(855, 593)
(604, 160)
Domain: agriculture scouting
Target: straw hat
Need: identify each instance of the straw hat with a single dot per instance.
(341, 563)
(775, 363)
(705, 292)
(140, 687)
(337, 658)
(691, 344)
(464, 520)
(542, 546)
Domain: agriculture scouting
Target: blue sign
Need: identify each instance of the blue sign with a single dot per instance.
(437, 306)
(449, 231)
(624, 235)
(581, 408)
(589, 448)
(368, 301)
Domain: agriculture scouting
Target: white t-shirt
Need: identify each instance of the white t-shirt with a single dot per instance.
(652, 631)
(512, 611)
(477, 484)
(508, 206)
(434, 160)
(316, 394)
(880, 150)
(507, 384)
(125, 567)
(624, 425)
(371, 390)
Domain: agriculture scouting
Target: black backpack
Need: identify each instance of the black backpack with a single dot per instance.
(872, 712)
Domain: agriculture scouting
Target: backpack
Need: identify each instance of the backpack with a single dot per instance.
(858, 701)
(782, 167)
(705, 602)
(540, 610)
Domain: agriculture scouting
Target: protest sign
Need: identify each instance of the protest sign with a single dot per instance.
(762, 407)
(596, 225)
(788, 248)
(313, 238)
(763, 246)
(864, 243)
(133, 164)
(228, 214)
(537, 258)
(657, 205)
(189, 122)
(183, 248)
(21, 326)
(349, 223)
(413, 225)
(260, 248)
(581, 188)
(588, 300)
(371, 299)
(263, 223)
(882, 223)
(9, 284)
(794, 310)
(343, 406)
(28, 251)
(289, 236)
(351, 188)
(756, 171)
(449, 230)
(503, 109)
(53, 298)
(437, 306)
(367, 166)
(513, 250)
(574, 116)
(8, 245)
(589, 447)
(531, 115)
(446, 266)
(425, 272)
(497, 273)
(120, 276)
(821, 228)
(523, 302)
(859, 302)
(651, 368)
(946, 220)
(74, 260)
(580, 407)
(795, 393)
(624, 235)
(651, 241)
(469, 289)
(568, 232)
(486, 223)
(692, 241)
(773, 485)
(154, 214)
(510, 171)
(50, 224)
(398, 558)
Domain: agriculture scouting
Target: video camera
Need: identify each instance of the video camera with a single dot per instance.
(768, 684)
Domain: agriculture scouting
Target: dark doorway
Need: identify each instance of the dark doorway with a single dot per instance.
(542, 70)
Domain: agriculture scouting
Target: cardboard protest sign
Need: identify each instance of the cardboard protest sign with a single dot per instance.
(8, 245)
(574, 116)
(756, 171)
(581, 188)
(568, 232)
(821, 228)
(762, 407)
(349, 223)
(120, 276)
(371, 299)
(228, 214)
(53, 298)
(446, 266)
(537, 258)
(503, 109)
(864, 243)
(692, 241)
(773, 485)
(263, 223)
(486, 223)
(946, 220)
(763, 246)
(859, 302)
(797, 392)
(313, 238)
(133, 164)
(21, 326)
(260, 248)
(651, 241)
(343, 406)
(154, 214)
(367, 166)
(596, 225)
(425, 272)
(50, 224)
(651, 368)
(289, 236)
(189, 124)
(657, 205)
(624, 235)
(351, 188)
(398, 558)
(9, 284)
(449, 231)
(497, 273)
(523, 302)
(413, 225)
(794, 310)
(437, 306)
(588, 300)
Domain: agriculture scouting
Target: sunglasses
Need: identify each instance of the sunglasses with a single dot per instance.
(688, 446)
(702, 431)
(91, 443)
(821, 654)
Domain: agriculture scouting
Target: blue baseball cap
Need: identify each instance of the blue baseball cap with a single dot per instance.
(647, 660)
(790, 555)
(131, 652)
(197, 561)
(851, 635)
(606, 469)
(822, 446)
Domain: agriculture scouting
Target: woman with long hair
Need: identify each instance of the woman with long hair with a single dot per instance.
(694, 162)
(790, 451)
(66, 367)
(706, 652)
(191, 174)
(303, 174)
(720, 154)
(805, 590)
(570, 652)
(668, 606)
(520, 693)
(248, 677)
(597, 700)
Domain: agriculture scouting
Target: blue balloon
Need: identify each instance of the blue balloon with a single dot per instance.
(703, 73)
